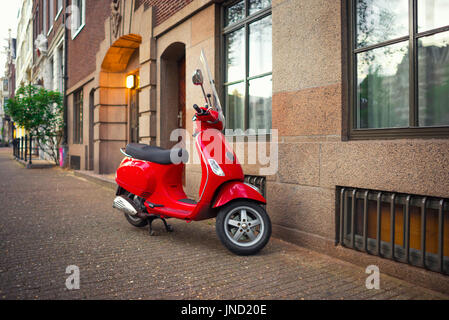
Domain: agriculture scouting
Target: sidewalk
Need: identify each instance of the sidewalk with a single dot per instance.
(50, 219)
(106, 180)
(36, 162)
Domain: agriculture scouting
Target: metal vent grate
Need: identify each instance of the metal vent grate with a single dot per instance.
(75, 162)
(407, 228)
(257, 181)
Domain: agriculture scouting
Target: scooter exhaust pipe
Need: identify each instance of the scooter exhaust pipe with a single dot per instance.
(125, 205)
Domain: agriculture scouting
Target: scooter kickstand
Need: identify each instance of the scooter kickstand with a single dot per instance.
(150, 229)
(168, 227)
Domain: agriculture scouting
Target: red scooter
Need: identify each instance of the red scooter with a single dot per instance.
(150, 183)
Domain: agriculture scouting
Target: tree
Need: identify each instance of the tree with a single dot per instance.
(39, 112)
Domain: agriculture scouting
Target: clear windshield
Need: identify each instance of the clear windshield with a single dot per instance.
(209, 87)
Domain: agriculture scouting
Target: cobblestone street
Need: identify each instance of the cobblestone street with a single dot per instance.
(50, 219)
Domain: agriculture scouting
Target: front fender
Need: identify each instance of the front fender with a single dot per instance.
(236, 190)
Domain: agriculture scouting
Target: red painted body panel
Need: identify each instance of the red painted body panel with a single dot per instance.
(162, 184)
(157, 183)
(236, 190)
(136, 176)
(211, 144)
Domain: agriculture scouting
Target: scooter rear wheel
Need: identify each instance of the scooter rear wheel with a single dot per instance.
(243, 227)
(136, 221)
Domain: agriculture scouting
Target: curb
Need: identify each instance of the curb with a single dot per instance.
(98, 179)
(26, 165)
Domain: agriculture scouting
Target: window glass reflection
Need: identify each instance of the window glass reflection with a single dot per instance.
(380, 20)
(433, 80)
(235, 106)
(432, 14)
(260, 47)
(383, 87)
(259, 114)
(235, 55)
(256, 5)
(235, 13)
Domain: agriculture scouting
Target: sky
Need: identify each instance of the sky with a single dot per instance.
(8, 20)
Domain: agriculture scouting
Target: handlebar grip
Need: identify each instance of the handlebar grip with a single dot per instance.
(197, 109)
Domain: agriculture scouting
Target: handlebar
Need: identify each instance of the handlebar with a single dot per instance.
(197, 109)
(206, 114)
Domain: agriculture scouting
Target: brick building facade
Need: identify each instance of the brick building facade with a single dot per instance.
(162, 9)
(83, 47)
(345, 174)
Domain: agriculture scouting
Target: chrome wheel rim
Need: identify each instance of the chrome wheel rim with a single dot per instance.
(244, 226)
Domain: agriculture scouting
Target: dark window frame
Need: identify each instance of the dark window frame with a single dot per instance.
(45, 17)
(51, 15)
(79, 25)
(59, 6)
(78, 117)
(36, 31)
(243, 23)
(413, 130)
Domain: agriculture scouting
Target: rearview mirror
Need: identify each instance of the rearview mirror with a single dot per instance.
(197, 77)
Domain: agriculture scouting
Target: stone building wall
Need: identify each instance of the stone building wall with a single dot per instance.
(315, 154)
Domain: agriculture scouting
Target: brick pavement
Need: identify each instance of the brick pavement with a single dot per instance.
(50, 219)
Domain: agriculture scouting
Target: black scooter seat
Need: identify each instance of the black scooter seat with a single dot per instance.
(158, 155)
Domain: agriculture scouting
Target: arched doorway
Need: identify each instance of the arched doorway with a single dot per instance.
(127, 48)
(172, 92)
(117, 111)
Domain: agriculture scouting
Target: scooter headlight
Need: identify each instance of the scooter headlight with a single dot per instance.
(216, 168)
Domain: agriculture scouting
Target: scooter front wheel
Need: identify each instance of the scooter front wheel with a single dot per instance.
(244, 227)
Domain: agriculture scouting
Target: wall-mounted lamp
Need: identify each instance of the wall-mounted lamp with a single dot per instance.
(131, 81)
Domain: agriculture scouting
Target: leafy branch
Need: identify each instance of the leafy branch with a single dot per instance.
(39, 112)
